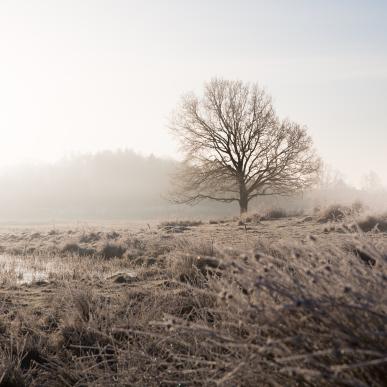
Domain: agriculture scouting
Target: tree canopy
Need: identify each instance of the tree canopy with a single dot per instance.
(236, 148)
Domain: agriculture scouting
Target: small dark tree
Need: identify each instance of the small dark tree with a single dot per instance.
(236, 148)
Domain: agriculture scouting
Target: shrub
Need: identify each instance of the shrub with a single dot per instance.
(112, 250)
(90, 237)
(275, 213)
(334, 213)
(112, 235)
(373, 223)
(70, 248)
(73, 248)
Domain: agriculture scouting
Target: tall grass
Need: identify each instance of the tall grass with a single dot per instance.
(289, 313)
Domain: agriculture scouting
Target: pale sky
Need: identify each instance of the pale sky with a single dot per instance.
(88, 75)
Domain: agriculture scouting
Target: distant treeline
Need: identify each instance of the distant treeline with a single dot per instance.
(125, 185)
(107, 185)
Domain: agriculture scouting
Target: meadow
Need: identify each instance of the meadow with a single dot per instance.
(273, 300)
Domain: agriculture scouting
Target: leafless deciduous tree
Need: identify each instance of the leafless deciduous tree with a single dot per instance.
(236, 148)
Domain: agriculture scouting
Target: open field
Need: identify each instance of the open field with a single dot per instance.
(280, 302)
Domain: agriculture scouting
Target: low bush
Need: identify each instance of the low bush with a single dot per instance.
(275, 213)
(373, 223)
(90, 237)
(112, 235)
(334, 213)
(73, 248)
(112, 250)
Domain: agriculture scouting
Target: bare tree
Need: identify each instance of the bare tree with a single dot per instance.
(236, 148)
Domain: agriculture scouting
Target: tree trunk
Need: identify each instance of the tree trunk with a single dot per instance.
(243, 199)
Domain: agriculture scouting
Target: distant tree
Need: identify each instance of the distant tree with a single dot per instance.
(236, 148)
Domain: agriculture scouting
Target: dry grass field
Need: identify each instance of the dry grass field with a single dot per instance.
(271, 301)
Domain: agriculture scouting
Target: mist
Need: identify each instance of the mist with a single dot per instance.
(125, 185)
(106, 185)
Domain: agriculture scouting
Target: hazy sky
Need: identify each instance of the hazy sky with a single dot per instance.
(87, 75)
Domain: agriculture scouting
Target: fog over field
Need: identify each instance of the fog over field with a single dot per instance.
(119, 185)
(107, 185)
